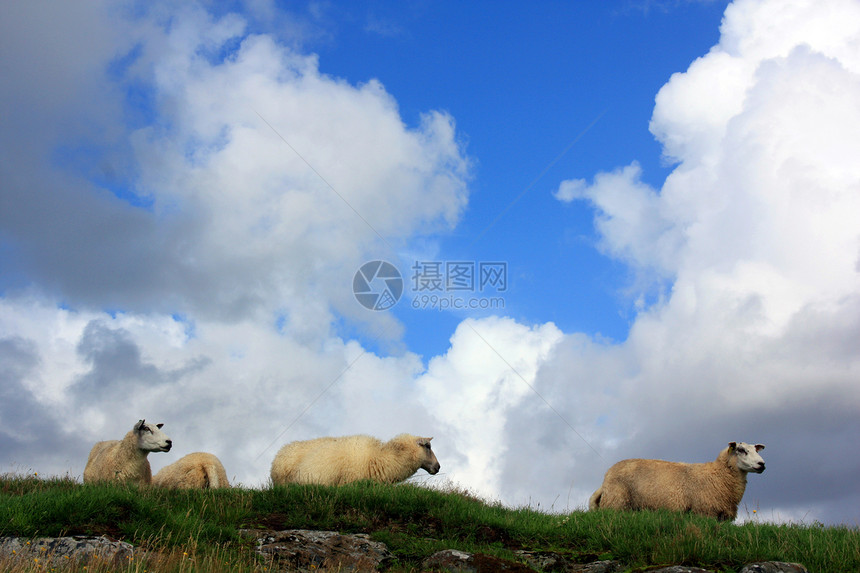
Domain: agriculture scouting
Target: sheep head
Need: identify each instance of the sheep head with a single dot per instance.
(429, 463)
(150, 438)
(748, 459)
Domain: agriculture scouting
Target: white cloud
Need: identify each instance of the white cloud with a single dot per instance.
(285, 211)
(632, 222)
(471, 390)
(757, 227)
(239, 222)
(212, 307)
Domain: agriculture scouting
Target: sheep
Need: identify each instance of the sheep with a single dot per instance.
(199, 470)
(712, 489)
(125, 460)
(336, 461)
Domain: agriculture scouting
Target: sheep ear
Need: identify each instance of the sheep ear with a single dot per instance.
(733, 445)
(759, 447)
(139, 425)
(159, 426)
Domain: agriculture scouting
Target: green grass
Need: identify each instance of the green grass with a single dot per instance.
(198, 530)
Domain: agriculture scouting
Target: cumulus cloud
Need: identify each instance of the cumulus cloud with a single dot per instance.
(240, 194)
(22, 427)
(472, 389)
(182, 246)
(181, 217)
(632, 222)
(756, 227)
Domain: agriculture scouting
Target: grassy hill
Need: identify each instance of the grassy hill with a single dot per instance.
(198, 530)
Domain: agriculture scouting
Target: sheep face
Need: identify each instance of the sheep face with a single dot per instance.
(747, 455)
(430, 464)
(150, 438)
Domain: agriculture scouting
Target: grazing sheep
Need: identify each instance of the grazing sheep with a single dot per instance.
(335, 461)
(125, 460)
(194, 471)
(712, 489)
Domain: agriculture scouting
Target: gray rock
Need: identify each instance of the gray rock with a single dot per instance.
(774, 567)
(550, 561)
(544, 560)
(55, 551)
(449, 560)
(454, 561)
(680, 569)
(596, 567)
(304, 550)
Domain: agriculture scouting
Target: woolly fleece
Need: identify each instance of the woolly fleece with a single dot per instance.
(199, 470)
(126, 460)
(711, 489)
(335, 461)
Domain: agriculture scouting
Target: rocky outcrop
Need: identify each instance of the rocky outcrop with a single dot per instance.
(57, 551)
(550, 561)
(455, 561)
(305, 550)
(681, 569)
(774, 567)
(763, 567)
(462, 562)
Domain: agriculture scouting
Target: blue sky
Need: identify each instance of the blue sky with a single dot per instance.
(539, 94)
(187, 193)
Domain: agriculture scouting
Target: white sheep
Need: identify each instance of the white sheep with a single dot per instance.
(199, 470)
(126, 460)
(335, 461)
(712, 489)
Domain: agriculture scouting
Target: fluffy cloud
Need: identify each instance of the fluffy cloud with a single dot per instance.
(472, 390)
(193, 265)
(632, 221)
(183, 244)
(239, 194)
(756, 226)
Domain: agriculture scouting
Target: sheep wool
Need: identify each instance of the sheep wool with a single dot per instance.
(712, 489)
(199, 470)
(126, 460)
(336, 461)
